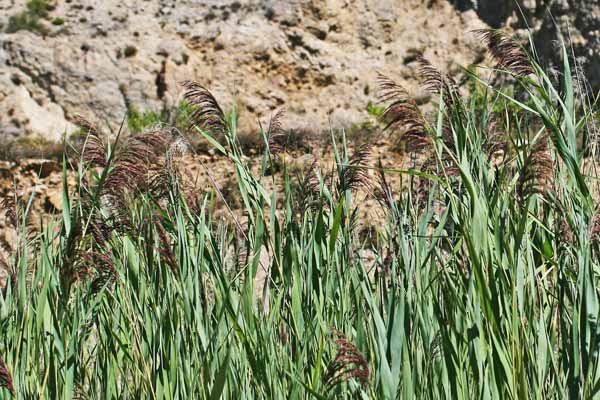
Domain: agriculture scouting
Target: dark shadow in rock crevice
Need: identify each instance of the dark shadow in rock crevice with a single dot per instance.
(492, 12)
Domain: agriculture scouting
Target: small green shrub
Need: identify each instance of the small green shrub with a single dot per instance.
(29, 19)
(362, 132)
(185, 58)
(25, 22)
(58, 21)
(129, 51)
(374, 110)
(39, 8)
(30, 147)
(138, 121)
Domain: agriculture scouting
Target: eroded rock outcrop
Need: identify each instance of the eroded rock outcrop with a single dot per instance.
(318, 58)
(577, 21)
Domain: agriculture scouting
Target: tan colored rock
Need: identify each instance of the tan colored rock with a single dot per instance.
(53, 200)
(316, 58)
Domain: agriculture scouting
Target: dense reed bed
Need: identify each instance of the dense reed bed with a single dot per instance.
(482, 281)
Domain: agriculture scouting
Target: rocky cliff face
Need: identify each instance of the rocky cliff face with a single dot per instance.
(316, 58)
(578, 21)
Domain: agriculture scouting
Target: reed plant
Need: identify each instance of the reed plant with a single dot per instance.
(481, 281)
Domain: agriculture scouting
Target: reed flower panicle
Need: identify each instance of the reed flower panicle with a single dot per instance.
(349, 363)
(208, 114)
(6, 380)
(506, 51)
(402, 115)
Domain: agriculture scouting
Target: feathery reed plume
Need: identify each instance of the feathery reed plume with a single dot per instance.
(106, 274)
(564, 234)
(162, 180)
(536, 173)
(154, 141)
(89, 127)
(178, 147)
(507, 52)
(125, 175)
(93, 151)
(307, 189)
(208, 114)
(97, 227)
(595, 227)
(6, 378)
(276, 134)
(8, 204)
(448, 134)
(165, 247)
(354, 175)
(99, 230)
(119, 219)
(444, 167)
(383, 192)
(9, 266)
(192, 193)
(143, 148)
(72, 269)
(134, 159)
(496, 140)
(435, 82)
(402, 114)
(18, 216)
(349, 363)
